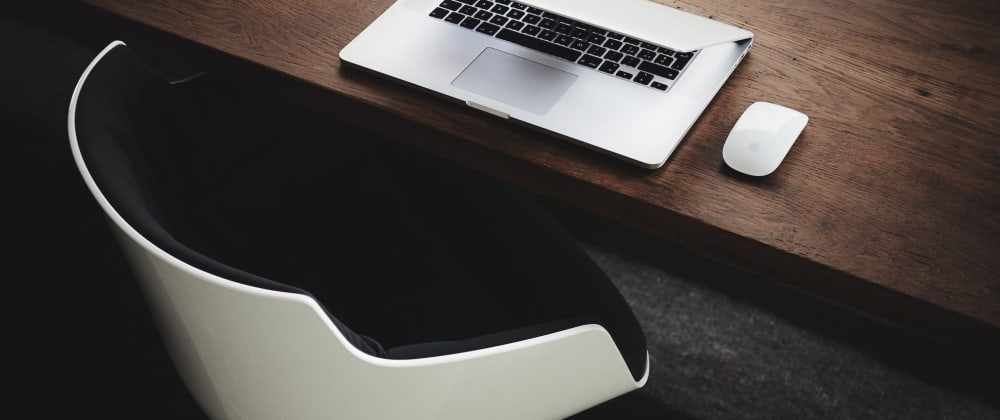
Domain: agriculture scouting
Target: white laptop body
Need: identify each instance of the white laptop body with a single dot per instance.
(596, 108)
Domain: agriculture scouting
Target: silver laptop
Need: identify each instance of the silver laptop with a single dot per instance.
(624, 77)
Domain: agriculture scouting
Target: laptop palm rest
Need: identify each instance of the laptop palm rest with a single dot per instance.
(515, 81)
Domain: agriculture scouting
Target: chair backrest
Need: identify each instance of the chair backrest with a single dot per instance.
(248, 347)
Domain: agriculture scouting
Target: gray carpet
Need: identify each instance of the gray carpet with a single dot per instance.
(723, 344)
(726, 344)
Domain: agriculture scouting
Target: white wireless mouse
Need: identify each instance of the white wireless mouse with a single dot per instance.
(762, 137)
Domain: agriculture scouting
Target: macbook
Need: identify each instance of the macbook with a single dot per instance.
(627, 78)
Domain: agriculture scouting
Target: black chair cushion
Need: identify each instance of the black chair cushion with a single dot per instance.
(426, 257)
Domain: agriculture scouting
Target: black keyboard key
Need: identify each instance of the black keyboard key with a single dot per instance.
(659, 85)
(572, 23)
(531, 30)
(596, 38)
(483, 15)
(502, 1)
(648, 46)
(630, 61)
(684, 55)
(488, 28)
(548, 24)
(581, 33)
(547, 35)
(515, 14)
(647, 55)
(590, 61)
(539, 45)
(613, 44)
(469, 2)
(579, 44)
(615, 35)
(643, 78)
(518, 6)
(563, 40)
(439, 13)
(629, 49)
(681, 62)
(609, 67)
(534, 11)
(665, 51)
(658, 70)
(500, 9)
(498, 20)
(451, 5)
(630, 40)
(613, 56)
(470, 23)
(624, 74)
(515, 25)
(484, 4)
(468, 10)
(564, 28)
(531, 19)
(597, 50)
(664, 60)
(454, 17)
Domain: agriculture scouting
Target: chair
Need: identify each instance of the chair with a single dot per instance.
(250, 347)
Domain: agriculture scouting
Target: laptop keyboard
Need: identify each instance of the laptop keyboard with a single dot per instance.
(610, 52)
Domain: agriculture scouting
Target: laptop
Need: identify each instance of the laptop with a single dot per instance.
(627, 78)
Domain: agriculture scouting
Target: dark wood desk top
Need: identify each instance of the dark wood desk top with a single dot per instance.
(888, 203)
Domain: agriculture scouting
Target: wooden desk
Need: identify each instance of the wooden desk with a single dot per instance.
(889, 203)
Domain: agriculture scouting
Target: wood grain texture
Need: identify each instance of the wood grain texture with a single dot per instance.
(889, 202)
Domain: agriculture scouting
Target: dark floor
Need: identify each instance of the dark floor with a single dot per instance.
(723, 344)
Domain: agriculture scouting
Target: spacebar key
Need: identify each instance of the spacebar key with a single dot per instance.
(539, 45)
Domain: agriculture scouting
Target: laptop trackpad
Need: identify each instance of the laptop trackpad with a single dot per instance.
(515, 81)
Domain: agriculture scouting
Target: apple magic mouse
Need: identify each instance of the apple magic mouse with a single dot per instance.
(761, 138)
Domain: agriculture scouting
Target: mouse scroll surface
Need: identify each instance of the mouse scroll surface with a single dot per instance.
(762, 137)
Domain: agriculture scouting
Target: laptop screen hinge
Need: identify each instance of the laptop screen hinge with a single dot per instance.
(488, 110)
